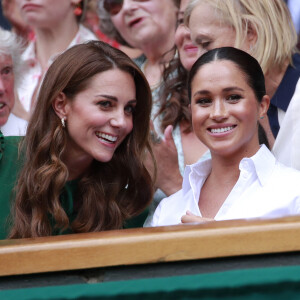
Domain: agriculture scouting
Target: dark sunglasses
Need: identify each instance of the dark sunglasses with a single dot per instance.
(113, 7)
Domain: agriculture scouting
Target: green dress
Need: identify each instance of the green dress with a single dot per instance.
(10, 165)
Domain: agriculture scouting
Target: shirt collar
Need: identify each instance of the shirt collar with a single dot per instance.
(199, 169)
(262, 163)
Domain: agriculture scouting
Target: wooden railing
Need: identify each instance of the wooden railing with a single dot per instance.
(149, 245)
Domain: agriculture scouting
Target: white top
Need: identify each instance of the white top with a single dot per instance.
(294, 8)
(265, 188)
(14, 126)
(33, 70)
(287, 144)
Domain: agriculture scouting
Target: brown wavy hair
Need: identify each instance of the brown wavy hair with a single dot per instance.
(174, 96)
(108, 193)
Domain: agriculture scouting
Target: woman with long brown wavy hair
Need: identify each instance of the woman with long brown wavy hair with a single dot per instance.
(83, 151)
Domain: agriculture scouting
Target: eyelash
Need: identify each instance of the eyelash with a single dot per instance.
(104, 104)
(6, 71)
(234, 98)
(203, 101)
(130, 109)
(180, 21)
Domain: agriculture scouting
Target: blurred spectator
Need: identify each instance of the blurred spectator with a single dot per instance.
(92, 21)
(10, 74)
(57, 27)
(12, 13)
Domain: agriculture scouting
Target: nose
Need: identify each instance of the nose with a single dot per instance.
(129, 5)
(219, 110)
(118, 119)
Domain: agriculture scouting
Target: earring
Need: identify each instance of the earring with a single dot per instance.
(63, 123)
(78, 10)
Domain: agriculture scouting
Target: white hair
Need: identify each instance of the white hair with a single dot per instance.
(11, 44)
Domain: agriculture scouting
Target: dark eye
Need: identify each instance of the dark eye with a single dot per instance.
(203, 101)
(234, 98)
(7, 70)
(205, 44)
(130, 109)
(180, 21)
(105, 104)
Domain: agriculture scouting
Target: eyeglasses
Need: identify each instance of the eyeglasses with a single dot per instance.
(113, 7)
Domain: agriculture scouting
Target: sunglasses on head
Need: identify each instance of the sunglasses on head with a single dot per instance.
(113, 7)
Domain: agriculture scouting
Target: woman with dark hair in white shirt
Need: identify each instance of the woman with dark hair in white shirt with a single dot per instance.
(242, 179)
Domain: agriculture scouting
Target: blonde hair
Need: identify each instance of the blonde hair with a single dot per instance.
(276, 34)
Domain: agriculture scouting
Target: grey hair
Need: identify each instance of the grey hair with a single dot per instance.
(11, 44)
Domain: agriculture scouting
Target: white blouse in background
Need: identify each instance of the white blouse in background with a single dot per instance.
(287, 144)
(33, 71)
(265, 188)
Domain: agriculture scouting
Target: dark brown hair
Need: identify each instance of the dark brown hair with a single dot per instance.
(108, 193)
(174, 99)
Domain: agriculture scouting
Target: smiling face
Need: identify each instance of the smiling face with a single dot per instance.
(225, 111)
(143, 22)
(207, 31)
(188, 52)
(46, 13)
(99, 118)
(7, 97)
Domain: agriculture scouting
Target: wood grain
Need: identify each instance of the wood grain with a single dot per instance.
(149, 245)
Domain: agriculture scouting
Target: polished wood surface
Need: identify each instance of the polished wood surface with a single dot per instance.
(149, 245)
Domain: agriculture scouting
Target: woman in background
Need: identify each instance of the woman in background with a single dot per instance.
(83, 168)
(56, 25)
(149, 26)
(242, 179)
(180, 146)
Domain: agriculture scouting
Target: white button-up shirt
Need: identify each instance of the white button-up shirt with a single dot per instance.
(265, 188)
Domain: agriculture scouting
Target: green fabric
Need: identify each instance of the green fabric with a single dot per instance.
(9, 167)
(137, 221)
(264, 283)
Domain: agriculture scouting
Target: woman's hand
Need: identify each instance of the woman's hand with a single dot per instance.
(191, 218)
(168, 177)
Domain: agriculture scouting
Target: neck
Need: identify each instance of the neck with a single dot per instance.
(274, 77)
(77, 164)
(154, 66)
(227, 167)
(54, 40)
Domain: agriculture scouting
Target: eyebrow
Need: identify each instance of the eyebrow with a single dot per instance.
(228, 89)
(113, 98)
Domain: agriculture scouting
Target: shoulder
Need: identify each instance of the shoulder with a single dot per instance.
(287, 174)
(84, 34)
